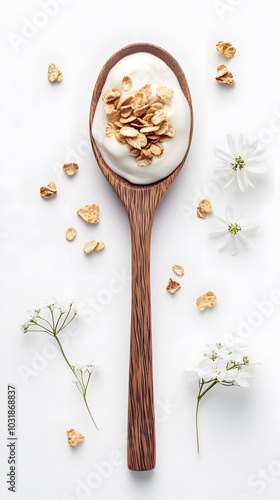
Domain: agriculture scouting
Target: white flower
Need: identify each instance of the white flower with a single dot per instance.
(240, 163)
(234, 231)
(229, 364)
(85, 368)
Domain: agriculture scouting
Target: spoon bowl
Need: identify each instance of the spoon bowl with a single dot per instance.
(140, 202)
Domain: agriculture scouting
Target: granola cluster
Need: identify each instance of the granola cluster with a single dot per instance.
(138, 121)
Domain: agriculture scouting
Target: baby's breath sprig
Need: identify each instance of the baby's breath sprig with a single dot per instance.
(58, 318)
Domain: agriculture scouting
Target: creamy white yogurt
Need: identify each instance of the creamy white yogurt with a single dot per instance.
(144, 68)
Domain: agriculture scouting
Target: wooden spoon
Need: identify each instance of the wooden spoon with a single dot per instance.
(140, 202)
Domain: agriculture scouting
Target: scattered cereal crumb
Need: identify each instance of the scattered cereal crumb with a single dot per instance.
(54, 75)
(127, 83)
(70, 168)
(179, 270)
(89, 213)
(100, 245)
(226, 48)
(111, 95)
(74, 437)
(89, 246)
(165, 93)
(206, 300)
(204, 207)
(173, 286)
(48, 191)
(71, 233)
(224, 75)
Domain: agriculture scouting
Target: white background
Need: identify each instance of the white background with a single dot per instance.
(43, 126)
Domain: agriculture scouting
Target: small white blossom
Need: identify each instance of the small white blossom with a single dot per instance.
(228, 364)
(233, 231)
(240, 163)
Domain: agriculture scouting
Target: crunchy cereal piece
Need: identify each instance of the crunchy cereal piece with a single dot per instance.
(127, 83)
(226, 48)
(206, 300)
(138, 142)
(140, 111)
(74, 437)
(170, 132)
(48, 191)
(144, 162)
(70, 168)
(100, 245)
(147, 130)
(110, 131)
(139, 100)
(224, 75)
(127, 120)
(114, 116)
(134, 152)
(54, 75)
(155, 149)
(159, 116)
(121, 140)
(204, 207)
(173, 286)
(163, 128)
(108, 108)
(90, 246)
(147, 91)
(89, 213)
(128, 132)
(165, 93)
(179, 270)
(111, 95)
(71, 234)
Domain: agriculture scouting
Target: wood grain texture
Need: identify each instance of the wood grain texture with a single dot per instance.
(140, 203)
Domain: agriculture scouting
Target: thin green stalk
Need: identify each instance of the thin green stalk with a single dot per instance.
(90, 413)
(63, 354)
(199, 397)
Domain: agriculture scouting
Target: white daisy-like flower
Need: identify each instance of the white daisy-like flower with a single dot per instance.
(234, 231)
(241, 162)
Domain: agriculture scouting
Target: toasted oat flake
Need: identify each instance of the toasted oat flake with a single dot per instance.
(70, 168)
(163, 128)
(89, 213)
(127, 83)
(204, 207)
(159, 116)
(206, 300)
(100, 246)
(111, 95)
(90, 246)
(128, 132)
(48, 191)
(226, 48)
(144, 162)
(54, 75)
(155, 150)
(224, 75)
(110, 131)
(173, 286)
(71, 233)
(179, 270)
(165, 93)
(74, 437)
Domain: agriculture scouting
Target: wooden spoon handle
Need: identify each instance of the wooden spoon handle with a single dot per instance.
(141, 421)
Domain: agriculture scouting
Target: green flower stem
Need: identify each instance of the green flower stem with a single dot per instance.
(63, 354)
(199, 397)
(90, 413)
(84, 388)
